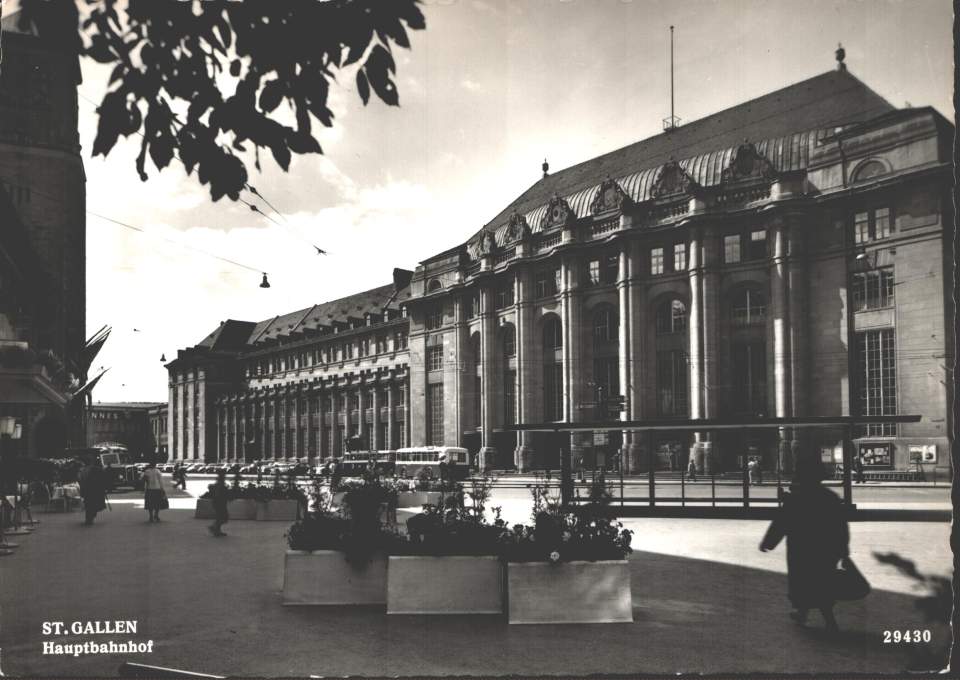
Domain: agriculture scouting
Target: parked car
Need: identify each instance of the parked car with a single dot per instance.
(250, 469)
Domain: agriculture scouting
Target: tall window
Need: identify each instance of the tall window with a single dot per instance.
(877, 375)
(750, 378)
(471, 305)
(656, 261)
(749, 308)
(605, 326)
(679, 257)
(509, 341)
(434, 317)
(399, 340)
(873, 289)
(757, 250)
(672, 383)
(504, 296)
(552, 335)
(509, 397)
(871, 225)
(553, 391)
(731, 248)
(671, 317)
(547, 282)
(435, 414)
(435, 358)
(593, 273)
(606, 377)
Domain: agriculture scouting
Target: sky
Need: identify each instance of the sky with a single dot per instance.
(487, 92)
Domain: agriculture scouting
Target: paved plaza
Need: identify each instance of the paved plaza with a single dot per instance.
(705, 599)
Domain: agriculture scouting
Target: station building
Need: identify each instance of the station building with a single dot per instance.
(787, 257)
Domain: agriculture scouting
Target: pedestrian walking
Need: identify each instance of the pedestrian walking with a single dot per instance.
(812, 520)
(752, 468)
(692, 470)
(153, 495)
(93, 490)
(180, 477)
(858, 469)
(218, 496)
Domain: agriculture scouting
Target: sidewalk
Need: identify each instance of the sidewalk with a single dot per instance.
(705, 600)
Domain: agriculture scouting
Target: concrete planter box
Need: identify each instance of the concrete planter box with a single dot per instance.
(415, 499)
(325, 577)
(569, 592)
(242, 508)
(445, 585)
(278, 510)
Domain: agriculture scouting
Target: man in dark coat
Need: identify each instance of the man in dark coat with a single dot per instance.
(218, 496)
(93, 489)
(814, 523)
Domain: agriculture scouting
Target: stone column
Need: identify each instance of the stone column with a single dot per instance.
(406, 412)
(638, 329)
(572, 355)
(391, 419)
(362, 408)
(526, 356)
(797, 302)
(375, 426)
(322, 446)
(336, 444)
(296, 452)
(710, 328)
(221, 431)
(488, 403)
(695, 332)
(625, 349)
(779, 312)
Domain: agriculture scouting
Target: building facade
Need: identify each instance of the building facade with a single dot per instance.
(135, 425)
(42, 242)
(787, 257)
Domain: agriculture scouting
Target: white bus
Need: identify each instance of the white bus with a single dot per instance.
(411, 460)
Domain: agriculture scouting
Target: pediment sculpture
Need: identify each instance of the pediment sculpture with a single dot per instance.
(672, 179)
(558, 213)
(748, 164)
(610, 196)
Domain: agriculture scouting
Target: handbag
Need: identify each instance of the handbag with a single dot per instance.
(848, 582)
(164, 501)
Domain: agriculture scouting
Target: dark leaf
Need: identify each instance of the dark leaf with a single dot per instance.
(141, 160)
(271, 95)
(113, 115)
(99, 50)
(235, 68)
(303, 143)
(378, 69)
(117, 73)
(161, 150)
(362, 87)
(380, 58)
(281, 154)
(410, 13)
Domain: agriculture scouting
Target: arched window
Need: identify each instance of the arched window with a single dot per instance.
(509, 341)
(434, 285)
(671, 317)
(749, 307)
(869, 170)
(552, 334)
(605, 325)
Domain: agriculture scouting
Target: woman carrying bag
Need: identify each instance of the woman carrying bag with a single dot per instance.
(813, 520)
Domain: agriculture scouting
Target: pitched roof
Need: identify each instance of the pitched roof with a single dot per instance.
(235, 335)
(791, 118)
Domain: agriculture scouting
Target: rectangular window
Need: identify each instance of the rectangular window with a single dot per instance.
(399, 340)
(509, 397)
(873, 289)
(433, 318)
(731, 248)
(656, 261)
(553, 392)
(504, 297)
(435, 358)
(606, 379)
(593, 273)
(679, 257)
(381, 344)
(750, 379)
(435, 415)
(758, 245)
(877, 375)
(672, 383)
(611, 269)
(871, 225)
(547, 283)
(471, 305)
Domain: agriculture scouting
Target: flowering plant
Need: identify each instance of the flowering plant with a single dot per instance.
(456, 526)
(587, 532)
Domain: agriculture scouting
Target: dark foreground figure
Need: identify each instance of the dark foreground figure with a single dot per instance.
(93, 489)
(812, 520)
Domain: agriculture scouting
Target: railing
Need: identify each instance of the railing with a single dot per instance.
(504, 256)
(548, 243)
(604, 228)
(744, 195)
(473, 268)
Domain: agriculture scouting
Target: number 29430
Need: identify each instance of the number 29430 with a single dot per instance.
(906, 636)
